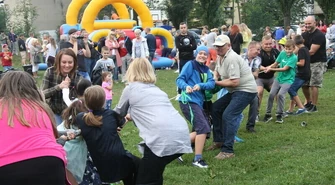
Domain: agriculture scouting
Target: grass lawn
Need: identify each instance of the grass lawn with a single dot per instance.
(277, 154)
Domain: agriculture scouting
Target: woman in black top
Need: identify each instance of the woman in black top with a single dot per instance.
(236, 38)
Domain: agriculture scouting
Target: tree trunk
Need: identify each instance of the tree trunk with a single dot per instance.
(239, 11)
(287, 19)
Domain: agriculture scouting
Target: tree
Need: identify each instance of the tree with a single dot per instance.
(285, 7)
(211, 13)
(5, 15)
(25, 13)
(178, 11)
(327, 7)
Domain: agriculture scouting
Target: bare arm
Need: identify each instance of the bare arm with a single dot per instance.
(301, 62)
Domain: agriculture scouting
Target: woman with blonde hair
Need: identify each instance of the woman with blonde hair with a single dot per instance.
(163, 130)
(113, 46)
(29, 153)
(247, 37)
(35, 57)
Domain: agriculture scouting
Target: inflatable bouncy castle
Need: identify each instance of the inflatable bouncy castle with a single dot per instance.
(100, 28)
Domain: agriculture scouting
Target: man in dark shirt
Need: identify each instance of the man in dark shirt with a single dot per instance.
(12, 38)
(186, 44)
(82, 51)
(22, 49)
(151, 41)
(315, 41)
(268, 56)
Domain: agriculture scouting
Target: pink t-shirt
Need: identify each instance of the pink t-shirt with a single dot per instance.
(20, 142)
(108, 92)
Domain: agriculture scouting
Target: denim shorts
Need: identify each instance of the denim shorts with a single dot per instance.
(297, 84)
(200, 121)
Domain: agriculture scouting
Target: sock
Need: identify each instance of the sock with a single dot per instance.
(197, 157)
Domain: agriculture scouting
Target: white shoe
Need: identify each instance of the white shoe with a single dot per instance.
(177, 97)
(177, 71)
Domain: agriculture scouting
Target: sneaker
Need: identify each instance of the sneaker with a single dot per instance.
(238, 140)
(279, 119)
(177, 71)
(267, 118)
(300, 111)
(312, 109)
(224, 155)
(180, 159)
(251, 130)
(215, 146)
(308, 105)
(257, 118)
(287, 113)
(200, 163)
(177, 97)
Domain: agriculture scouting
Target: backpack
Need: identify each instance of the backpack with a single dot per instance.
(96, 76)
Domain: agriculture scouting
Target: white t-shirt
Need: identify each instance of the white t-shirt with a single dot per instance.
(29, 43)
(51, 50)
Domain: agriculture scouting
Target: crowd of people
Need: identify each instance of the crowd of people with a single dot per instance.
(74, 110)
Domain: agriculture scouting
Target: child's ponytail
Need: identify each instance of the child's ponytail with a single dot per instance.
(92, 120)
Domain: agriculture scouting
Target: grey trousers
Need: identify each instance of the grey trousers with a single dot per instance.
(253, 106)
(280, 91)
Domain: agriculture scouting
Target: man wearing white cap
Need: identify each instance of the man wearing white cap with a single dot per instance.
(237, 78)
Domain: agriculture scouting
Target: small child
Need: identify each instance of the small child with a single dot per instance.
(6, 58)
(99, 128)
(287, 62)
(105, 63)
(303, 75)
(107, 85)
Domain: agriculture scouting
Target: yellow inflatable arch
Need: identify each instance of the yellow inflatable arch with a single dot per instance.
(75, 5)
(95, 6)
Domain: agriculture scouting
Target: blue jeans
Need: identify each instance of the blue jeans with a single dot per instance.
(151, 57)
(88, 62)
(225, 113)
(108, 104)
(58, 119)
(297, 84)
(6, 68)
(84, 75)
(116, 68)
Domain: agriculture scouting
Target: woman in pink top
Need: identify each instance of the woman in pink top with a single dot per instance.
(29, 153)
(113, 45)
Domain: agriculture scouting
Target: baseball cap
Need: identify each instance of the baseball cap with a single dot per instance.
(221, 40)
(4, 45)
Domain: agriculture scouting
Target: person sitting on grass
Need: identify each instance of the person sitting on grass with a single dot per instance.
(303, 75)
(287, 62)
(163, 130)
(193, 80)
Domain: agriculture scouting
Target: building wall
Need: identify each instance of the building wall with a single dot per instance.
(51, 13)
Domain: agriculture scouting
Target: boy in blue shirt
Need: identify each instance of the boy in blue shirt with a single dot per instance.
(287, 62)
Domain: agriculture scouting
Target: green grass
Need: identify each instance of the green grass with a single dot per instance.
(277, 154)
